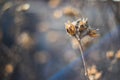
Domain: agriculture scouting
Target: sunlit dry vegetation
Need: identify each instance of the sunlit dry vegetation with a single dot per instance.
(59, 40)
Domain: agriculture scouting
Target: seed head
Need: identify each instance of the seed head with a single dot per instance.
(93, 33)
(70, 28)
(80, 28)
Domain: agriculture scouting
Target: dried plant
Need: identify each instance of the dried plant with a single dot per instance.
(93, 73)
(114, 59)
(80, 29)
(70, 11)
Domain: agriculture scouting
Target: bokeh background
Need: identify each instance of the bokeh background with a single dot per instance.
(34, 44)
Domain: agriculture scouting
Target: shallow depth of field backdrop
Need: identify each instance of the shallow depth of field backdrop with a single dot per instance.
(34, 44)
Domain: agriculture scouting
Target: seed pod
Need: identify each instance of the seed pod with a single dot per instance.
(93, 33)
(83, 21)
(70, 28)
(83, 24)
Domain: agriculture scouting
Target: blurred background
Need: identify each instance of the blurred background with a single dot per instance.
(34, 44)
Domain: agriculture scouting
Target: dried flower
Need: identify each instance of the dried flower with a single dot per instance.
(23, 7)
(9, 68)
(110, 54)
(98, 75)
(54, 3)
(70, 28)
(25, 40)
(57, 14)
(7, 6)
(70, 11)
(92, 70)
(93, 33)
(80, 28)
(93, 73)
(118, 54)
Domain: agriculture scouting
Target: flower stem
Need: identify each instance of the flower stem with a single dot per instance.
(83, 59)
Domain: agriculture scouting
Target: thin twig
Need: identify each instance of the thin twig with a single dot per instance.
(83, 60)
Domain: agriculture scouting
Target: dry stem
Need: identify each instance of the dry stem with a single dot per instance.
(83, 60)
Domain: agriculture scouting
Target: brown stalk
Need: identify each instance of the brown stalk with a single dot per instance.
(83, 59)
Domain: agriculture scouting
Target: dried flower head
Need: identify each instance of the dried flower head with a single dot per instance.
(54, 3)
(25, 40)
(23, 7)
(83, 21)
(9, 68)
(98, 75)
(7, 5)
(93, 73)
(70, 28)
(110, 54)
(80, 28)
(70, 11)
(57, 14)
(92, 70)
(93, 33)
(118, 54)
